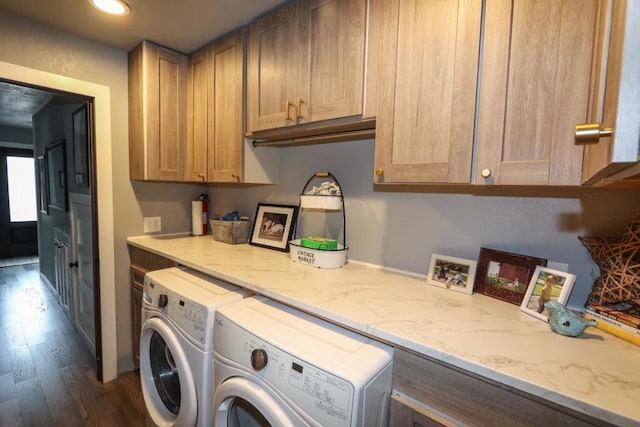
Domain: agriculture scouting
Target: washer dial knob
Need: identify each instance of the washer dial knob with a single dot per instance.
(163, 300)
(259, 359)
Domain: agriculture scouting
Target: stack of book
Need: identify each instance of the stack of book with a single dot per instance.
(621, 320)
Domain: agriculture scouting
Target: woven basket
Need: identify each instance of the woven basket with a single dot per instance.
(619, 263)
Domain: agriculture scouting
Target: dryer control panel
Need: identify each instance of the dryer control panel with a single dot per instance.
(325, 396)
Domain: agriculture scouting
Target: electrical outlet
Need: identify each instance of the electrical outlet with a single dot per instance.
(152, 224)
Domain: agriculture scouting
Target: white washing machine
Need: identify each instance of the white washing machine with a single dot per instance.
(276, 366)
(176, 341)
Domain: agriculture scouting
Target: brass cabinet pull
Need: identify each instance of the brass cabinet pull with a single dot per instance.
(379, 172)
(287, 112)
(201, 175)
(299, 102)
(590, 133)
(486, 173)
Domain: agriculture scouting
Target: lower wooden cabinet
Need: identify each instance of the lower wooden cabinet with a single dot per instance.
(141, 263)
(431, 393)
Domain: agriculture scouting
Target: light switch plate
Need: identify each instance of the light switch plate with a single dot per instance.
(152, 224)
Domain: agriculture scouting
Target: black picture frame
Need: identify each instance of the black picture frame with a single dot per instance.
(274, 226)
(43, 199)
(505, 275)
(80, 147)
(56, 162)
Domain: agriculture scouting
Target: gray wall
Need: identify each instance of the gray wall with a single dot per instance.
(401, 228)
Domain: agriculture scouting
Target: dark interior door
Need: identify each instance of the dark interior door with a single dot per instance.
(17, 238)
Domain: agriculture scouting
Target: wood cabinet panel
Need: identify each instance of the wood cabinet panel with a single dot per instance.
(425, 124)
(452, 396)
(198, 113)
(534, 88)
(157, 125)
(226, 138)
(272, 72)
(615, 159)
(306, 64)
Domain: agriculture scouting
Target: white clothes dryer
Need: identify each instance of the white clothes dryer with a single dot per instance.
(176, 339)
(276, 366)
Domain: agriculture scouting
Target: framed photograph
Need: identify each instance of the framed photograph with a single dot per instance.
(452, 273)
(546, 284)
(505, 275)
(80, 147)
(274, 226)
(57, 174)
(43, 200)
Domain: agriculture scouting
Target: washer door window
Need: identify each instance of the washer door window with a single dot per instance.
(167, 381)
(240, 402)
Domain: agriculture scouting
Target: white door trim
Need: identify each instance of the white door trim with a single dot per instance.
(104, 172)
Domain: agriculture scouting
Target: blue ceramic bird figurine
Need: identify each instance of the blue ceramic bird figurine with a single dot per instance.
(565, 322)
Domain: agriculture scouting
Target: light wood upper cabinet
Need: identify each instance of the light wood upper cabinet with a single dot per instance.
(615, 159)
(157, 110)
(226, 131)
(424, 61)
(536, 83)
(306, 64)
(200, 91)
(215, 142)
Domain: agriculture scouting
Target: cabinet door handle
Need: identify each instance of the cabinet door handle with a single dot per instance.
(73, 264)
(486, 173)
(299, 102)
(287, 112)
(379, 172)
(590, 133)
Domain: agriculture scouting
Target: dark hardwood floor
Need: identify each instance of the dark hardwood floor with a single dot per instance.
(47, 374)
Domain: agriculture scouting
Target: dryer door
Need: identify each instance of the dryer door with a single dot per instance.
(167, 381)
(240, 402)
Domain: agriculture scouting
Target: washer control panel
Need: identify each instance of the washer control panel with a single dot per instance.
(191, 317)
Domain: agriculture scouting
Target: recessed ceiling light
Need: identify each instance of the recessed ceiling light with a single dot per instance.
(113, 7)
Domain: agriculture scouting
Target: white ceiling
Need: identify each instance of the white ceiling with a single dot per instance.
(183, 25)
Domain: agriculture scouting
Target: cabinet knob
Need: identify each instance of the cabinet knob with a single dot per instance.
(379, 172)
(201, 176)
(486, 173)
(590, 133)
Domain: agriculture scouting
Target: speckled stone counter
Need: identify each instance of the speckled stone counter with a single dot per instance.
(596, 373)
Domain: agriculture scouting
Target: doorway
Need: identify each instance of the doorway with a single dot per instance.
(101, 96)
(63, 145)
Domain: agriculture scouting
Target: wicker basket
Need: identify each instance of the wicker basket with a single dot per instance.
(230, 231)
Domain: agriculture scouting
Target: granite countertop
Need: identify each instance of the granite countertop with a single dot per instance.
(596, 373)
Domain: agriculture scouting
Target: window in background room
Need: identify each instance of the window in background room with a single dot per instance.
(21, 180)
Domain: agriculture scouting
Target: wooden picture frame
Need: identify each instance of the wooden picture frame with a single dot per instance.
(43, 196)
(452, 273)
(80, 146)
(505, 275)
(274, 226)
(57, 174)
(546, 284)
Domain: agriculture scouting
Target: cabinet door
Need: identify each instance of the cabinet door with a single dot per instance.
(272, 72)
(535, 82)
(609, 160)
(198, 113)
(226, 129)
(157, 110)
(425, 123)
(331, 36)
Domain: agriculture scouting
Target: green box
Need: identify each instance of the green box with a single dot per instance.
(319, 243)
